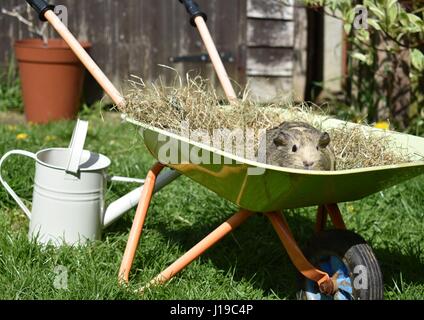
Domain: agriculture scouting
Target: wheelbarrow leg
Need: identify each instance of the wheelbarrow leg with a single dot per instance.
(335, 216)
(280, 225)
(321, 221)
(195, 252)
(137, 226)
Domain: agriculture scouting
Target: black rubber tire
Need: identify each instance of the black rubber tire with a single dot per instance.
(354, 251)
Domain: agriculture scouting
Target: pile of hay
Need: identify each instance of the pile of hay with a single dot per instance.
(195, 102)
(356, 148)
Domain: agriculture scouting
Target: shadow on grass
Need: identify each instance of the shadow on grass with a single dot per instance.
(254, 253)
(393, 264)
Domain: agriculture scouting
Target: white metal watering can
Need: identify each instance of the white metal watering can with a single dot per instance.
(68, 203)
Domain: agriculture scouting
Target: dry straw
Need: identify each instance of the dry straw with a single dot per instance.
(197, 103)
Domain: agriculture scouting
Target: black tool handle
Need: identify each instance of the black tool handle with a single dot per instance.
(41, 7)
(193, 10)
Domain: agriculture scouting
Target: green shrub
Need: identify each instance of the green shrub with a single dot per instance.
(385, 78)
(10, 89)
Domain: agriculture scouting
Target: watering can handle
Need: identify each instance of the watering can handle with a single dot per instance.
(7, 187)
(76, 146)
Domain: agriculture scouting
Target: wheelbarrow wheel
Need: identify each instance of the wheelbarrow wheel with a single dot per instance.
(348, 259)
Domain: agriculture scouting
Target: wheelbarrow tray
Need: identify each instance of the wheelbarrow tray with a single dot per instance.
(285, 188)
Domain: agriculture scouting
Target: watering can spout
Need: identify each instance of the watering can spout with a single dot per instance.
(116, 209)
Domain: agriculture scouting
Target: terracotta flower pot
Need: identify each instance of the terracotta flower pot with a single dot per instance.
(51, 78)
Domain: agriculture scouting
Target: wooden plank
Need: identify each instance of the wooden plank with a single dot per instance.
(300, 53)
(271, 33)
(230, 33)
(270, 62)
(333, 54)
(265, 89)
(101, 35)
(270, 9)
(241, 59)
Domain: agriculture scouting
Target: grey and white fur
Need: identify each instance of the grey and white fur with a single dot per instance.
(298, 145)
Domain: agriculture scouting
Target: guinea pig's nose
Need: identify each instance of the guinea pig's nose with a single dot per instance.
(308, 164)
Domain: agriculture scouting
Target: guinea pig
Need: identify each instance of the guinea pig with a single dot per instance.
(298, 145)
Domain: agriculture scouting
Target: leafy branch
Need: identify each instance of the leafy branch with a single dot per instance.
(385, 55)
(18, 13)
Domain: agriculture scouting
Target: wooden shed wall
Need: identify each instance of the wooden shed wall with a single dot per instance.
(265, 38)
(270, 41)
(135, 36)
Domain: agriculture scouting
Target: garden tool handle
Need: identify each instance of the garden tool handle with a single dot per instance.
(194, 11)
(48, 14)
(198, 19)
(6, 185)
(41, 7)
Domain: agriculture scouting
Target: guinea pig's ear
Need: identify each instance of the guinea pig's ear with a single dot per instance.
(282, 139)
(324, 140)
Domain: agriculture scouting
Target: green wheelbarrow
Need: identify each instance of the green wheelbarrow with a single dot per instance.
(338, 264)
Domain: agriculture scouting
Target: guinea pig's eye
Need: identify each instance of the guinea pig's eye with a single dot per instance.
(317, 148)
(294, 149)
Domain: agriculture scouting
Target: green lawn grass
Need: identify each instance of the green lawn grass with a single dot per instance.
(248, 264)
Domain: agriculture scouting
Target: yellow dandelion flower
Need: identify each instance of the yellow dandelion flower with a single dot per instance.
(22, 136)
(50, 138)
(382, 125)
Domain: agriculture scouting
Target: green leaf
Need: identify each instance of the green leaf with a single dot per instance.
(404, 19)
(363, 35)
(361, 57)
(392, 13)
(351, 16)
(391, 3)
(417, 59)
(377, 12)
(414, 19)
(347, 27)
(414, 29)
(333, 6)
(374, 23)
(344, 7)
(400, 36)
